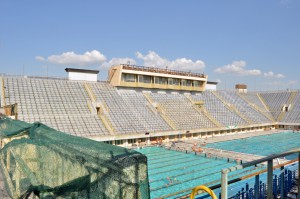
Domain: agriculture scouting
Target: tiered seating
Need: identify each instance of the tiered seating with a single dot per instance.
(63, 105)
(275, 101)
(59, 104)
(218, 110)
(254, 99)
(123, 118)
(181, 111)
(136, 102)
(293, 116)
(243, 107)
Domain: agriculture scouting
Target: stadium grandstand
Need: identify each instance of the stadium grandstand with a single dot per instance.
(143, 103)
(141, 106)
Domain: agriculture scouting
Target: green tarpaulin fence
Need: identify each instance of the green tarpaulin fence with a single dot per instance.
(53, 164)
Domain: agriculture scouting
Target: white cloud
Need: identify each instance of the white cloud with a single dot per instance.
(39, 58)
(283, 83)
(118, 61)
(292, 82)
(270, 74)
(153, 59)
(93, 57)
(238, 68)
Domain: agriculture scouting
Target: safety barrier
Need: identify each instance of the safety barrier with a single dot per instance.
(248, 192)
(269, 186)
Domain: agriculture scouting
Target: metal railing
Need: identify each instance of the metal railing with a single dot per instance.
(270, 168)
(162, 70)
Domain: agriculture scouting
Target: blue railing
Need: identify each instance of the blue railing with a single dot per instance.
(270, 180)
(248, 191)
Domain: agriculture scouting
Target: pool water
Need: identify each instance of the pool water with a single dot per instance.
(262, 145)
(173, 174)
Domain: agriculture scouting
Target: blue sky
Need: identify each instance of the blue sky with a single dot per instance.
(253, 42)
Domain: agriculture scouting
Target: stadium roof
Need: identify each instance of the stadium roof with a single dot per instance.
(210, 82)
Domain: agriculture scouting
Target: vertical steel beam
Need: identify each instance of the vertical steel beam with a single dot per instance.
(256, 187)
(224, 184)
(282, 182)
(270, 180)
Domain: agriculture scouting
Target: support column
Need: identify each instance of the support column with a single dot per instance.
(148, 141)
(270, 180)
(224, 184)
(282, 182)
(257, 187)
(167, 139)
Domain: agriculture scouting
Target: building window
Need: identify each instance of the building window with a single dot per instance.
(173, 81)
(183, 82)
(196, 84)
(188, 83)
(128, 77)
(176, 82)
(145, 79)
(131, 141)
(161, 80)
(119, 142)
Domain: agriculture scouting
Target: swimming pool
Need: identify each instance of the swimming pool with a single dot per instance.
(262, 145)
(173, 174)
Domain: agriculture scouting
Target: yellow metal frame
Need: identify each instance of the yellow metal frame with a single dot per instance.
(204, 188)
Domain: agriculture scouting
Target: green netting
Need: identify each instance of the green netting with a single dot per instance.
(11, 128)
(53, 164)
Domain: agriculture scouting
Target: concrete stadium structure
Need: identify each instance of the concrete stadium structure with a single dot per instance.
(141, 105)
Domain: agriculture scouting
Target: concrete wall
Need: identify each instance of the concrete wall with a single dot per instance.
(82, 76)
(210, 86)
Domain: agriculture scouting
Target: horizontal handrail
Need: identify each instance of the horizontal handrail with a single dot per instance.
(270, 157)
(162, 70)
